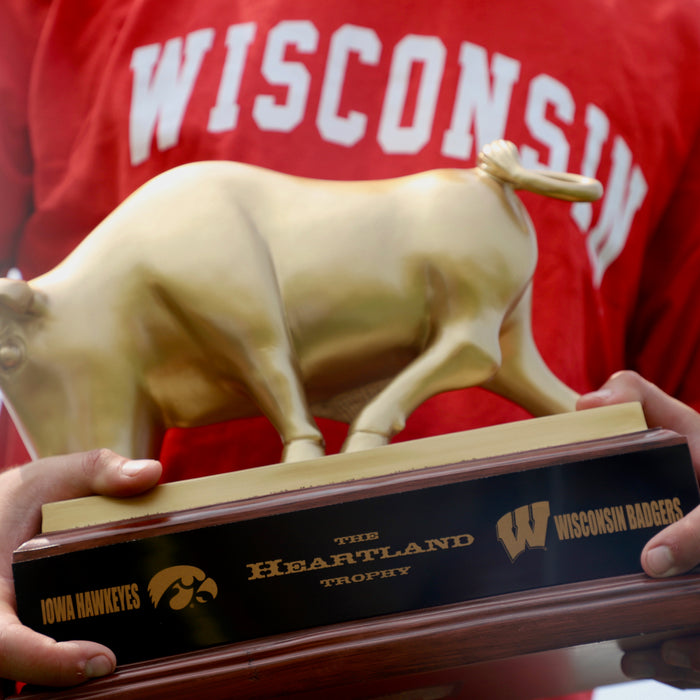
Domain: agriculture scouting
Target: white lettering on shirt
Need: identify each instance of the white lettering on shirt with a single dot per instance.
(482, 102)
(598, 126)
(545, 92)
(165, 78)
(224, 115)
(429, 53)
(293, 75)
(345, 130)
(624, 193)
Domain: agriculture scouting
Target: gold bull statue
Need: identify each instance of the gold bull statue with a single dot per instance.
(220, 290)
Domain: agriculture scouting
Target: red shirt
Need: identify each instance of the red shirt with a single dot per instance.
(98, 96)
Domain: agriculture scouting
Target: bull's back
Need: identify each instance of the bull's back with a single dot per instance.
(356, 261)
(204, 216)
(351, 264)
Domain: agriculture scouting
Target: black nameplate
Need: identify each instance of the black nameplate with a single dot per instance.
(160, 595)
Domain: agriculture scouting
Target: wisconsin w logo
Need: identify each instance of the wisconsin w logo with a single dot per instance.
(525, 527)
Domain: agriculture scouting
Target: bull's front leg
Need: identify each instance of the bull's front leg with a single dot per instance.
(97, 414)
(463, 354)
(279, 393)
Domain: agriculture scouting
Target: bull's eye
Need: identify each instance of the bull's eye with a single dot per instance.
(11, 354)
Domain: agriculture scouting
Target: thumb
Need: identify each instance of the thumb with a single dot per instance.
(25, 654)
(675, 549)
(35, 658)
(98, 472)
(660, 409)
(24, 489)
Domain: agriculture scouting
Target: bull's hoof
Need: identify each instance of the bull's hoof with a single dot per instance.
(361, 440)
(302, 449)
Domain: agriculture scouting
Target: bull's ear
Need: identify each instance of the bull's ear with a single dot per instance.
(16, 295)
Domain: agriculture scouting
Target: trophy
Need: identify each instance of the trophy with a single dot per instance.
(376, 566)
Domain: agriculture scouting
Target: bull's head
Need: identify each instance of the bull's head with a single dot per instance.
(19, 303)
(44, 369)
(17, 300)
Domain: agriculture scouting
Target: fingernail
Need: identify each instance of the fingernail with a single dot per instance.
(98, 666)
(659, 561)
(603, 394)
(135, 466)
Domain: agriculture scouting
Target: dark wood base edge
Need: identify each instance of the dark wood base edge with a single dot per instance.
(441, 640)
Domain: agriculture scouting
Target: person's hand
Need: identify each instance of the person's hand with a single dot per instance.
(26, 655)
(674, 550)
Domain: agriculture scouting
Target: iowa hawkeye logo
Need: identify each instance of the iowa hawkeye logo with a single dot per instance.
(524, 528)
(179, 587)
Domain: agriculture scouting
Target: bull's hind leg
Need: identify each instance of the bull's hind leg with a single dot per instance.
(523, 376)
(463, 354)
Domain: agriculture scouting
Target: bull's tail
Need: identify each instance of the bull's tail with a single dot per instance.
(500, 160)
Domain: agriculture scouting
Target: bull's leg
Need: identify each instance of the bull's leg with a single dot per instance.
(463, 354)
(147, 430)
(111, 414)
(274, 383)
(240, 323)
(523, 376)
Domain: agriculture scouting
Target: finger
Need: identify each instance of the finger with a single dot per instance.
(35, 658)
(674, 550)
(682, 652)
(82, 474)
(651, 663)
(24, 489)
(660, 409)
(25, 654)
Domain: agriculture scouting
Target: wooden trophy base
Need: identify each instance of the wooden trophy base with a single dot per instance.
(510, 576)
(532, 644)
